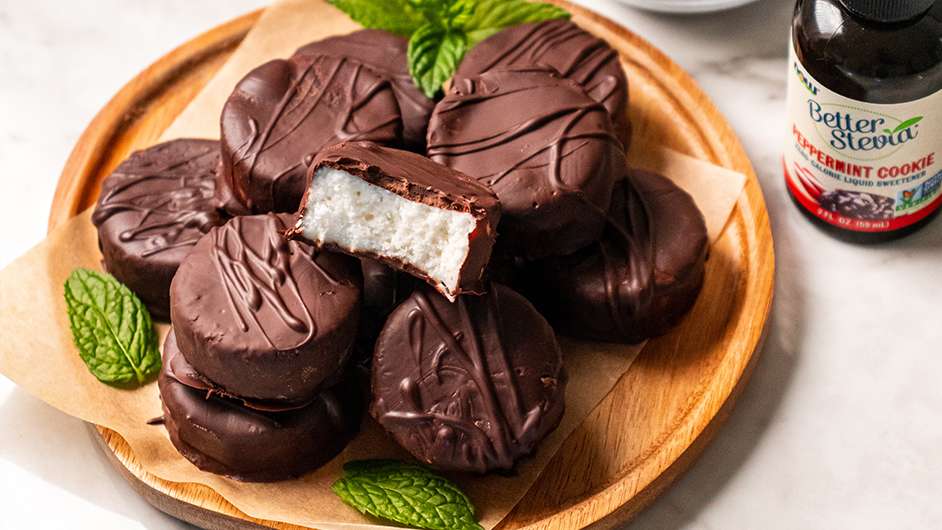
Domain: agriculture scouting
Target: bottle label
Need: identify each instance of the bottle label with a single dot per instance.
(862, 166)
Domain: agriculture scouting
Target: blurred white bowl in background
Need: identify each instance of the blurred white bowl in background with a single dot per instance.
(686, 6)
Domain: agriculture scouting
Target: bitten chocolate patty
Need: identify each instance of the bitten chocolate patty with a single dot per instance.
(264, 318)
(152, 210)
(572, 51)
(404, 210)
(284, 112)
(472, 385)
(384, 53)
(640, 279)
(220, 436)
(542, 145)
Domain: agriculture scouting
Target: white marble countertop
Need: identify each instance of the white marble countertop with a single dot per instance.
(837, 429)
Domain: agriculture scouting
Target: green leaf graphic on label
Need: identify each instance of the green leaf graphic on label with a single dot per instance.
(907, 124)
(405, 493)
(111, 328)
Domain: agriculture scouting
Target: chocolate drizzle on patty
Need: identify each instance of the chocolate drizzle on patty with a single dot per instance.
(575, 53)
(154, 207)
(472, 385)
(546, 149)
(264, 318)
(285, 111)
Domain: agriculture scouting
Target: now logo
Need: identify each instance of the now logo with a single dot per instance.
(805, 80)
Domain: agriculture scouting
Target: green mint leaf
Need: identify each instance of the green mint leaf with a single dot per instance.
(434, 55)
(405, 493)
(445, 14)
(907, 124)
(111, 328)
(490, 16)
(395, 16)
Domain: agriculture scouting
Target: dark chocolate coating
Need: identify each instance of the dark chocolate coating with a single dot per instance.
(570, 50)
(220, 436)
(386, 54)
(472, 385)
(545, 148)
(183, 371)
(640, 279)
(383, 289)
(152, 209)
(285, 111)
(264, 318)
(418, 179)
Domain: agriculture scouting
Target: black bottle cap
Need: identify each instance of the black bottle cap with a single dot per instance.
(888, 10)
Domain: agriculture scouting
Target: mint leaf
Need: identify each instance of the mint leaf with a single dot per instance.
(445, 14)
(441, 31)
(490, 16)
(395, 16)
(434, 55)
(111, 328)
(405, 493)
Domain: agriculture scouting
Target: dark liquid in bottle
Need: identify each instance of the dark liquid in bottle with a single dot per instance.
(870, 61)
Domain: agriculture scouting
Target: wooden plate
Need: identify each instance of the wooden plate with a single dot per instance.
(664, 410)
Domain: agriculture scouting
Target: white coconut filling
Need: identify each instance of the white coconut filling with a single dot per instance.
(359, 217)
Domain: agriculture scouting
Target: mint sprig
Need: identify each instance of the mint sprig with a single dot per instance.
(406, 494)
(491, 16)
(111, 328)
(441, 31)
(434, 55)
(395, 16)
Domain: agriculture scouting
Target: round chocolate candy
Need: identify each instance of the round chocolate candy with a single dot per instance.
(264, 318)
(640, 279)
(544, 147)
(472, 385)
(572, 51)
(385, 53)
(221, 436)
(152, 209)
(285, 111)
(383, 289)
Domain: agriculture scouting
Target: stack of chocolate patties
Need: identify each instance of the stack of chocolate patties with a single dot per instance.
(393, 263)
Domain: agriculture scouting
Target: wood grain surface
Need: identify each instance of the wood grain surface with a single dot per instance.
(661, 414)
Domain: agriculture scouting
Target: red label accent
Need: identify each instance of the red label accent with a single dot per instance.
(804, 196)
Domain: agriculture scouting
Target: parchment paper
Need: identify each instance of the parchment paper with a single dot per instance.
(37, 353)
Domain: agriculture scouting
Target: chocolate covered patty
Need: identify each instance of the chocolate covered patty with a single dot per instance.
(285, 111)
(384, 53)
(640, 279)
(572, 51)
(542, 145)
(470, 386)
(264, 318)
(152, 209)
(220, 436)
